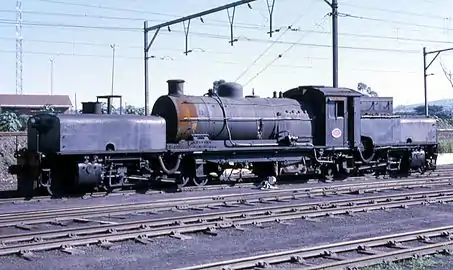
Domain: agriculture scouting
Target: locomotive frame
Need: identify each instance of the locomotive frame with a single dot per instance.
(349, 134)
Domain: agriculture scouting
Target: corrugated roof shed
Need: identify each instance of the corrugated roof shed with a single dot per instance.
(13, 100)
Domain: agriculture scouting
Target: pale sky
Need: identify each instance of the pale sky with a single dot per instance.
(380, 44)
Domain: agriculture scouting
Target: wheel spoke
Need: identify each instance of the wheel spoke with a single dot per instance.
(183, 181)
(200, 181)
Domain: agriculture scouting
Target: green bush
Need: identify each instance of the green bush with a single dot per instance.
(13, 121)
(446, 146)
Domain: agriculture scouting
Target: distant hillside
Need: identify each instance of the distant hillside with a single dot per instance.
(446, 103)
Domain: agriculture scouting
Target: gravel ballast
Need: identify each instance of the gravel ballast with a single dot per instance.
(169, 253)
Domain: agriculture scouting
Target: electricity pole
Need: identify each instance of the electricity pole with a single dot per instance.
(334, 5)
(113, 46)
(51, 75)
(425, 68)
(19, 78)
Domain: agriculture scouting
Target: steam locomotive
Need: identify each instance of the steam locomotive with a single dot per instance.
(308, 130)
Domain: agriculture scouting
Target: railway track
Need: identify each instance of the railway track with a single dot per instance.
(351, 254)
(25, 219)
(12, 196)
(105, 235)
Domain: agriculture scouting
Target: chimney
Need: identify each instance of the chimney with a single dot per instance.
(175, 87)
(274, 94)
(280, 94)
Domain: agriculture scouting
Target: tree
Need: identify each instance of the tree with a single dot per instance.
(434, 110)
(104, 108)
(134, 110)
(365, 89)
(10, 121)
(447, 73)
(48, 108)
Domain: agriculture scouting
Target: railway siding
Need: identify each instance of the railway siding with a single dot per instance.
(351, 254)
(105, 235)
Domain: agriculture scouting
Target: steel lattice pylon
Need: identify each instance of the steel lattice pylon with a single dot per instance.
(19, 80)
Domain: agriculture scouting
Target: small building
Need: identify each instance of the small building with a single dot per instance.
(27, 104)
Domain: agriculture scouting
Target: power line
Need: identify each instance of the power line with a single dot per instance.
(273, 43)
(45, 24)
(247, 26)
(211, 22)
(61, 14)
(86, 55)
(218, 23)
(282, 54)
(257, 40)
(215, 22)
(19, 53)
(424, 15)
(393, 21)
(112, 8)
(99, 44)
(107, 8)
(133, 29)
(131, 10)
(167, 58)
(103, 17)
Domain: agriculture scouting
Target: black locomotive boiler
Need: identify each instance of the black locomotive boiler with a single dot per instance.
(323, 131)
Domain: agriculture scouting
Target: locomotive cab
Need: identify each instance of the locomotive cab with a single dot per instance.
(335, 113)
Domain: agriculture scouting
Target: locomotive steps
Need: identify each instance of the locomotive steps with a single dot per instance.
(68, 239)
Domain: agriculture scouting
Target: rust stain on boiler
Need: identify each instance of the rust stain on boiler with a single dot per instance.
(187, 110)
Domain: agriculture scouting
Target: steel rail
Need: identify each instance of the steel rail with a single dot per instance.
(20, 199)
(24, 218)
(442, 172)
(142, 230)
(365, 251)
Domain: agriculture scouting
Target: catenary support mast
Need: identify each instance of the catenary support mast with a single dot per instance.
(156, 28)
(425, 69)
(334, 5)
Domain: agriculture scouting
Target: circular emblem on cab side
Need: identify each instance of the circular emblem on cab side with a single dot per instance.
(336, 133)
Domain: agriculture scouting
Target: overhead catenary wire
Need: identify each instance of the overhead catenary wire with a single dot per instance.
(286, 51)
(345, 4)
(249, 26)
(209, 22)
(365, 36)
(166, 58)
(290, 27)
(386, 10)
(247, 39)
(133, 29)
(347, 15)
(215, 23)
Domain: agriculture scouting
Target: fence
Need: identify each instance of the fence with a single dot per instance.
(13, 134)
